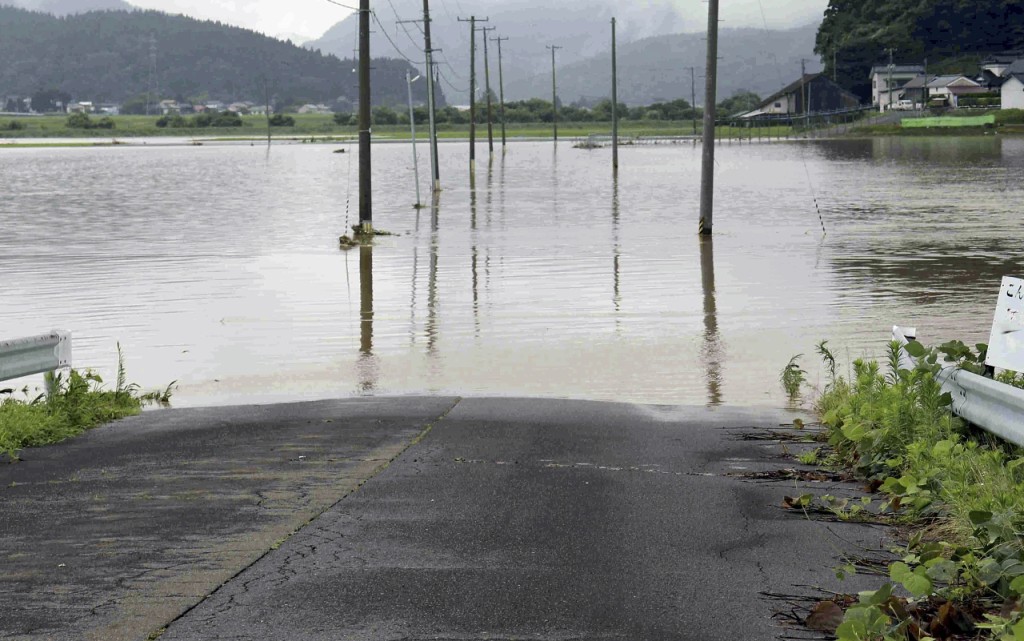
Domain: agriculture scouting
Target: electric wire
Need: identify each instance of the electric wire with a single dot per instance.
(803, 156)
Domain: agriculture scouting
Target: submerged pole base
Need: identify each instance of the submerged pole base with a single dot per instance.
(703, 229)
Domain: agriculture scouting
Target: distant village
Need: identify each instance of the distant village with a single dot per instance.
(906, 87)
(898, 87)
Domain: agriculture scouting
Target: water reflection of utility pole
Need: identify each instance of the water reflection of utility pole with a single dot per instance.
(616, 254)
(415, 281)
(367, 365)
(712, 350)
(432, 278)
(473, 262)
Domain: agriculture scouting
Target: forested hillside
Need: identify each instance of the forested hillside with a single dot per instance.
(105, 56)
(857, 33)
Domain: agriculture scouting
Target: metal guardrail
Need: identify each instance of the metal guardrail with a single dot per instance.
(34, 355)
(995, 407)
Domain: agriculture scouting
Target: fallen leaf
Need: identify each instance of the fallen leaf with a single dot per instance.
(825, 617)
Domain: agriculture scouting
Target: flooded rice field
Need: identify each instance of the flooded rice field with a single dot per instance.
(219, 267)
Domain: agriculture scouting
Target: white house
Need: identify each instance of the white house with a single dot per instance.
(948, 89)
(1013, 86)
(880, 79)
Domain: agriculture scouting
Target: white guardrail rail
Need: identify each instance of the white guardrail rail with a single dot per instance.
(34, 355)
(995, 407)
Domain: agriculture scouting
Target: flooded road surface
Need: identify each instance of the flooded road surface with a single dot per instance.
(219, 266)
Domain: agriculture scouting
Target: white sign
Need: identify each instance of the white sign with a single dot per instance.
(1006, 345)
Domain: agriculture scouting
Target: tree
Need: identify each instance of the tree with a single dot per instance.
(739, 103)
(50, 100)
(384, 116)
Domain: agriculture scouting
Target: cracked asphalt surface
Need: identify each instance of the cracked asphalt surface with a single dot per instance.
(479, 519)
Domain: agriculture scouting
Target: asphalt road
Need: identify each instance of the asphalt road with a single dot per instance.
(489, 519)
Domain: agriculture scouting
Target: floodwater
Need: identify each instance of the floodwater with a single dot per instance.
(218, 266)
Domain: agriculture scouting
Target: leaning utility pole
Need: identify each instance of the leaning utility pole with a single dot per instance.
(365, 197)
(693, 97)
(487, 87)
(501, 94)
(707, 182)
(472, 88)
(615, 103)
(554, 93)
(431, 102)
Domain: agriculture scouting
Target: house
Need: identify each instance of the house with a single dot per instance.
(816, 89)
(314, 109)
(169, 107)
(85, 107)
(108, 109)
(1012, 90)
(882, 92)
(916, 90)
(947, 90)
(998, 64)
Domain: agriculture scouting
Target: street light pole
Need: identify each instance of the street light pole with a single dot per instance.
(412, 126)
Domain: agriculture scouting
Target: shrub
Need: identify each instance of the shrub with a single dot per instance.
(79, 120)
(226, 119)
(13, 125)
(281, 120)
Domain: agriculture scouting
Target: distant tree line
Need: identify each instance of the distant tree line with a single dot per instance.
(105, 57)
(537, 110)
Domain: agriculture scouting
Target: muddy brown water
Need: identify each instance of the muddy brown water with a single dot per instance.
(218, 266)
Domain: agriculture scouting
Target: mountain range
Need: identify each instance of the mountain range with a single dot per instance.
(657, 69)
(113, 56)
(654, 48)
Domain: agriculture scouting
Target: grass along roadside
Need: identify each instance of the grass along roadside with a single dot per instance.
(79, 402)
(958, 495)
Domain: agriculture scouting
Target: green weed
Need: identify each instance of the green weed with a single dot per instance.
(963, 493)
(77, 402)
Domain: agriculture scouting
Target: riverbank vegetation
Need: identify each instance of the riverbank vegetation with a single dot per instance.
(957, 495)
(78, 401)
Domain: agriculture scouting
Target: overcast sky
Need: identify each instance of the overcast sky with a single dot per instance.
(309, 19)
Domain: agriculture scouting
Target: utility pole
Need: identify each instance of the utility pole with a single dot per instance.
(693, 97)
(152, 71)
(472, 88)
(487, 87)
(891, 69)
(365, 186)
(707, 182)
(431, 101)
(615, 103)
(803, 91)
(554, 93)
(501, 94)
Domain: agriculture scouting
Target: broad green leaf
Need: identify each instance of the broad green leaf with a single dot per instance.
(915, 581)
(1017, 585)
(915, 349)
(942, 570)
(979, 517)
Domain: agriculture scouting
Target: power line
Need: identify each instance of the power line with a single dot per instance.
(393, 45)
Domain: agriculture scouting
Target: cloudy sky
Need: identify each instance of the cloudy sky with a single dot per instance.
(308, 19)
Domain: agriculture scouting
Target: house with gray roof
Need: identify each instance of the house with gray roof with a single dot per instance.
(887, 80)
(1012, 90)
